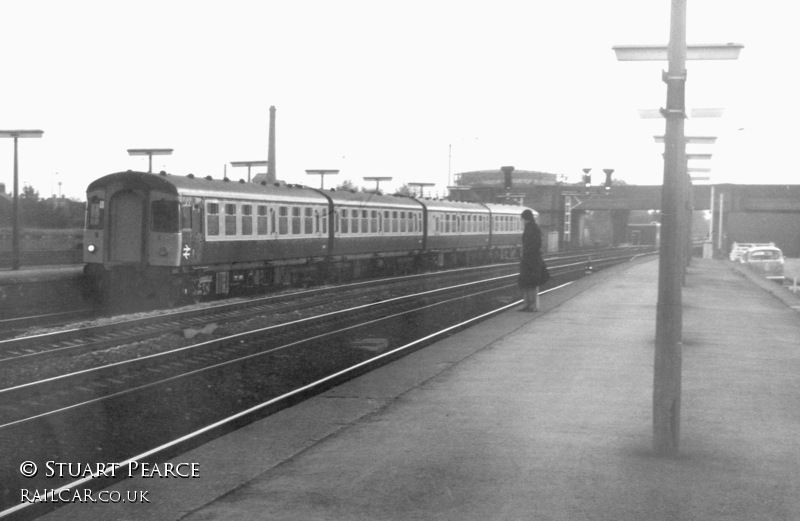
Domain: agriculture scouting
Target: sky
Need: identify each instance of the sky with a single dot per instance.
(417, 90)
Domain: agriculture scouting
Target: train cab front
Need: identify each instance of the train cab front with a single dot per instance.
(132, 238)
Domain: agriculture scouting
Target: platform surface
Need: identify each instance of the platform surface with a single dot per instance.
(529, 416)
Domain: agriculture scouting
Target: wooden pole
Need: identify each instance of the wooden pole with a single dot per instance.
(669, 320)
(15, 222)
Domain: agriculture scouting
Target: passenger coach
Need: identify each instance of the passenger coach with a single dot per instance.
(176, 237)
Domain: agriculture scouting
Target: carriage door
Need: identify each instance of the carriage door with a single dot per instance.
(126, 219)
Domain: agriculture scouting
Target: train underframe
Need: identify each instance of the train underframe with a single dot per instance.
(156, 286)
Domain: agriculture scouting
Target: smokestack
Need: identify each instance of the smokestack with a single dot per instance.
(271, 175)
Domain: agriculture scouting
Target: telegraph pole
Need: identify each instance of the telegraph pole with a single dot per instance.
(674, 205)
(669, 314)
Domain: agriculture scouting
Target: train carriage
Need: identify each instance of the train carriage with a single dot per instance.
(507, 227)
(174, 237)
(375, 233)
(198, 234)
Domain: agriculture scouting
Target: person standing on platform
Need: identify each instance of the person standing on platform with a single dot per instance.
(532, 269)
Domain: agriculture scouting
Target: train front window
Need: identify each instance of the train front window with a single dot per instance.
(165, 216)
(95, 208)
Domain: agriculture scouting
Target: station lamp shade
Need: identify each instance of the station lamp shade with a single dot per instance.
(587, 177)
(712, 51)
(608, 172)
(21, 133)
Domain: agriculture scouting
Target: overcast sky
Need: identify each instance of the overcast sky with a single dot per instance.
(415, 90)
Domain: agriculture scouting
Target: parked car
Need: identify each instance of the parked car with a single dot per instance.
(766, 260)
(738, 249)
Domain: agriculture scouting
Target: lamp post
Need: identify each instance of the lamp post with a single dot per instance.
(377, 181)
(16, 134)
(322, 174)
(150, 152)
(669, 325)
(249, 164)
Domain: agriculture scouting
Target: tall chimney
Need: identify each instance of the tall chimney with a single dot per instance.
(271, 175)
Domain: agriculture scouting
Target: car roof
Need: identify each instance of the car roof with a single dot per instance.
(764, 248)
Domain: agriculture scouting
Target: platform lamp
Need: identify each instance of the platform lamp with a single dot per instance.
(667, 363)
(377, 181)
(16, 134)
(587, 177)
(322, 174)
(249, 164)
(607, 184)
(150, 152)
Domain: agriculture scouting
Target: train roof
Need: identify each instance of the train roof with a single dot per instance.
(198, 186)
(459, 206)
(509, 209)
(367, 199)
(191, 185)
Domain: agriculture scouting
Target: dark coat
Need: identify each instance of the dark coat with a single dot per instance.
(532, 269)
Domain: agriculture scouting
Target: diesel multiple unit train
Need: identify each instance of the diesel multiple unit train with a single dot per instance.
(179, 238)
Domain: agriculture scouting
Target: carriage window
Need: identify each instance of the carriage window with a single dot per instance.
(319, 223)
(212, 218)
(364, 221)
(95, 209)
(309, 220)
(354, 217)
(261, 220)
(373, 221)
(230, 219)
(186, 217)
(283, 220)
(247, 219)
(345, 221)
(394, 222)
(296, 222)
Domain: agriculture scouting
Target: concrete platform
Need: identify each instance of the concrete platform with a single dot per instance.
(29, 274)
(542, 416)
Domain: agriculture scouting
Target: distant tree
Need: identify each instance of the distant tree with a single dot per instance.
(347, 185)
(404, 190)
(44, 213)
(29, 193)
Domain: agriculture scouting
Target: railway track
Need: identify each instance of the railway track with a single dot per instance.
(36, 379)
(127, 408)
(76, 340)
